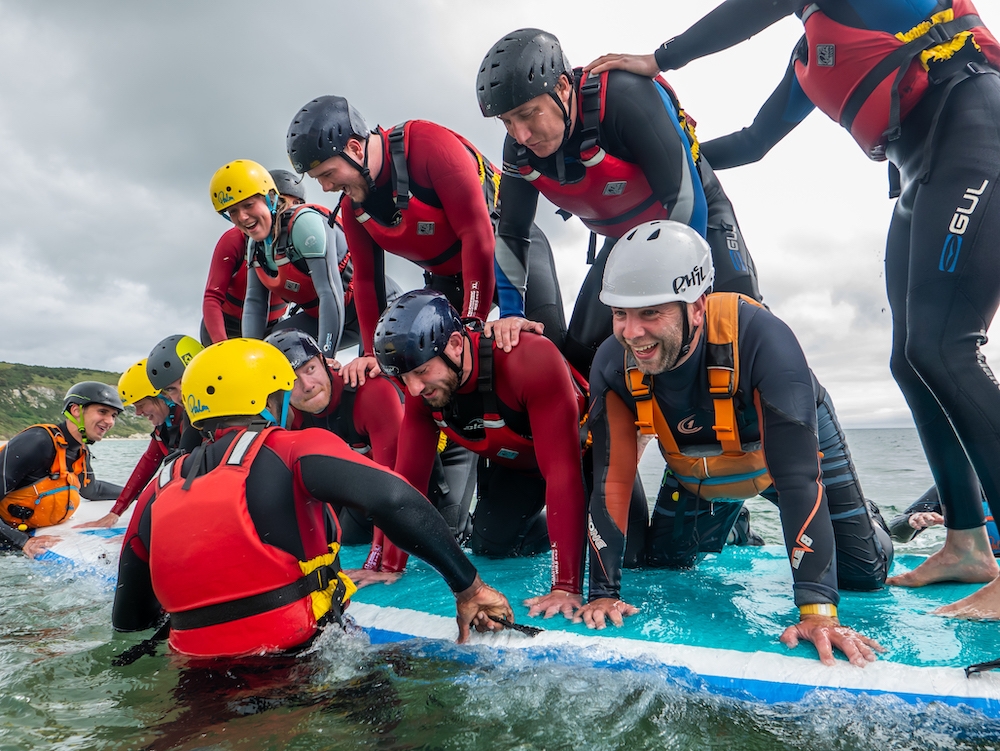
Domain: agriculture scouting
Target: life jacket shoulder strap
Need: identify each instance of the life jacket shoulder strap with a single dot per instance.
(591, 106)
(397, 138)
(484, 382)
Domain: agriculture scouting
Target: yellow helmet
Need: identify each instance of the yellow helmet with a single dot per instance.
(238, 180)
(134, 384)
(234, 378)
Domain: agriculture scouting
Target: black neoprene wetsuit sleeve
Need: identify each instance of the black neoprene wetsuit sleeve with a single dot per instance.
(396, 508)
(774, 121)
(26, 459)
(729, 24)
(100, 490)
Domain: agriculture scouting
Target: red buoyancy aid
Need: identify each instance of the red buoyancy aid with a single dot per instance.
(613, 196)
(421, 232)
(228, 592)
(499, 442)
(735, 471)
(55, 497)
(869, 81)
(232, 304)
(291, 282)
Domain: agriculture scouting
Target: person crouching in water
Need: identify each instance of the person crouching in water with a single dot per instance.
(46, 468)
(231, 542)
(726, 389)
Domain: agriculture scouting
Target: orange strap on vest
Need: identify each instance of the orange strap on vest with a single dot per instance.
(723, 365)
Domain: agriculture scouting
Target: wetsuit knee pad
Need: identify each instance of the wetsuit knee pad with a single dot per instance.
(864, 550)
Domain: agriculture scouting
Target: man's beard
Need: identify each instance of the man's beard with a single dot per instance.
(668, 354)
(445, 391)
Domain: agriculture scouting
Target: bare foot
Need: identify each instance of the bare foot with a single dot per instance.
(965, 557)
(981, 605)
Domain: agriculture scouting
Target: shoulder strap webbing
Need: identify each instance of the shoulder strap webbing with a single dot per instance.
(484, 383)
(400, 174)
(590, 109)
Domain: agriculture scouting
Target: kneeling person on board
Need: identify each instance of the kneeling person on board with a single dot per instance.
(520, 410)
(45, 469)
(168, 421)
(231, 541)
(724, 386)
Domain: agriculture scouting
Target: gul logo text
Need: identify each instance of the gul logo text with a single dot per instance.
(957, 228)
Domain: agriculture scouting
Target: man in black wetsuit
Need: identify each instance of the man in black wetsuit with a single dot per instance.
(45, 469)
(261, 495)
(914, 82)
(614, 150)
(754, 432)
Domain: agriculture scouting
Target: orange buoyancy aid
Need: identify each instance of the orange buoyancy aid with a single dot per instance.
(54, 498)
(420, 231)
(613, 196)
(732, 470)
(228, 592)
(869, 81)
(495, 439)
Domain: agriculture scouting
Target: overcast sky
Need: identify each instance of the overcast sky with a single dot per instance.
(115, 116)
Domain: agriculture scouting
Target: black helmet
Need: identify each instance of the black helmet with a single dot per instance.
(288, 183)
(296, 345)
(521, 66)
(321, 130)
(169, 358)
(93, 392)
(414, 329)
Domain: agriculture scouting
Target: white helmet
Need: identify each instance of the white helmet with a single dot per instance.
(655, 263)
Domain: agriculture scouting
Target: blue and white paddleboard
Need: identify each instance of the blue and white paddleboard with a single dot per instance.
(91, 550)
(716, 629)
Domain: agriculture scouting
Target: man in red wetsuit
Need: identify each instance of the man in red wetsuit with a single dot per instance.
(422, 192)
(231, 540)
(520, 410)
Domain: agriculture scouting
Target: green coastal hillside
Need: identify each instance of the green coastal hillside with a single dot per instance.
(31, 394)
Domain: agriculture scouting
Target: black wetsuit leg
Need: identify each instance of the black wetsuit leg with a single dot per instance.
(734, 268)
(943, 283)
(452, 489)
(542, 298)
(590, 323)
(684, 527)
(510, 514)
(864, 548)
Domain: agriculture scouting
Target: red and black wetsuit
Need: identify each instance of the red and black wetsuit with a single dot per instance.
(28, 457)
(640, 150)
(532, 443)
(446, 228)
(776, 403)
(942, 268)
(174, 434)
(222, 307)
(292, 480)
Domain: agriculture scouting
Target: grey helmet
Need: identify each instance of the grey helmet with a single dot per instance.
(288, 184)
(522, 65)
(321, 129)
(92, 392)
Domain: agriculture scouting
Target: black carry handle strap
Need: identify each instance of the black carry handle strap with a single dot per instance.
(526, 630)
(401, 176)
(981, 667)
(145, 647)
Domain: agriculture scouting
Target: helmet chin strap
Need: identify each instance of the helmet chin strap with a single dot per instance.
(78, 421)
(363, 167)
(567, 126)
(266, 413)
(461, 359)
(687, 337)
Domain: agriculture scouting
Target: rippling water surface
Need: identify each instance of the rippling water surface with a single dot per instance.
(59, 690)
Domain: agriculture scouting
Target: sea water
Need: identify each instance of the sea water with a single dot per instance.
(59, 690)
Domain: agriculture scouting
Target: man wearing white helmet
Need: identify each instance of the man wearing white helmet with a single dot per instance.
(725, 387)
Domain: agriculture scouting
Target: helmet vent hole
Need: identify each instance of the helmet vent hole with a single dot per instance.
(210, 390)
(656, 234)
(631, 235)
(531, 74)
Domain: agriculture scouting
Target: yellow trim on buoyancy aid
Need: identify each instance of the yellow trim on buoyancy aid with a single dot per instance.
(322, 601)
(943, 51)
(55, 497)
(737, 471)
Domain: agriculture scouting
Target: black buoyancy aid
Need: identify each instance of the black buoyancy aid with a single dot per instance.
(732, 470)
(55, 497)
(340, 421)
(474, 420)
(613, 195)
(869, 81)
(286, 275)
(420, 230)
(227, 591)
